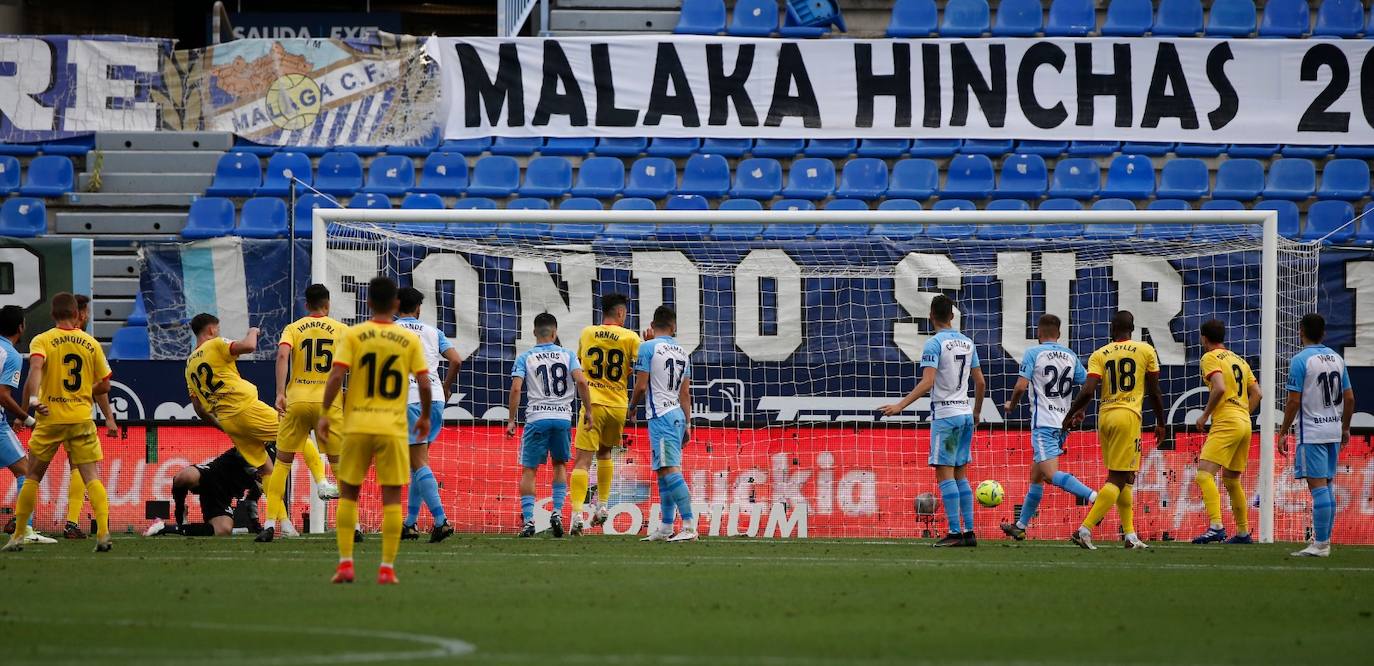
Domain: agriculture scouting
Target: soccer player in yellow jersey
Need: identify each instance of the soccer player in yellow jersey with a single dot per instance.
(607, 355)
(1233, 395)
(76, 488)
(304, 358)
(378, 356)
(224, 399)
(1127, 371)
(67, 369)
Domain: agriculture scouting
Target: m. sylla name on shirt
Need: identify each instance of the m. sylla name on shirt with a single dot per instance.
(1126, 348)
(391, 336)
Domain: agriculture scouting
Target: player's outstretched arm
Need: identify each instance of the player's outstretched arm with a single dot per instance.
(1216, 391)
(1157, 402)
(34, 385)
(584, 393)
(1080, 401)
(922, 387)
(513, 404)
(204, 414)
(980, 387)
(455, 361)
(684, 399)
(283, 371)
(1017, 392)
(247, 345)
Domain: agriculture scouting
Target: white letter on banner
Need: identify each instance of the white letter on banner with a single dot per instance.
(650, 269)
(1131, 273)
(22, 261)
(428, 275)
(1359, 277)
(906, 286)
(33, 62)
(1014, 271)
(94, 62)
(539, 292)
(348, 267)
(757, 265)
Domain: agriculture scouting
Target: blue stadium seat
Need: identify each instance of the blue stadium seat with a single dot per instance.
(360, 151)
(1165, 232)
(1071, 18)
(841, 231)
(474, 229)
(1094, 148)
(139, 315)
(1311, 152)
(1018, 18)
(1288, 216)
(740, 204)
(1329, 220)
(792, 204)
(682, 231)
(466, 146)
(784, 232)
(236, 175)
(1362, 152)
(621, 146)
(475, 203)
(21, 149)
(830, 147)
(884, 147)
(1284, 18)
(424, 146)
(242, 145)
(1364, 235)
(846, 204)
(913, 18)
(1178, 18)
(339, 173)
(1004, 231)
(417, 201)
(1151, 148)
(262, 217)
(808, 19)
(899, 230)
(969, 176)
(1108, 231)
(601, 177)
(1024, 176)
(1128, 18)
(900, 204)
(673, 146)
(1184, 178)
(687, 202)
(935, 147)
(1231, 18)
(1222, 204)
(1060, 204)
(1199, 149)
(1111, 203)
(964, 18)
(1131, 177)
(76, 146)
(787, 148)
(547, 177)
(951, 231)
(391, 175)
(444, 174)
(1290, 178)
(757, 178)
(209, 217)
(1368, 34)
(576, 232)
(954, 204)
(727, 147)
(701, 17)
(1344, 178)
(1007, 204)
(528, 230)
(1076, 177)
(655, 177)
(282, 167)
(1255, 150)
(130, 343)
(495, 176)
(516, 145)
(705, 175)
(568, 145)
(635, 203)
(23, 217)
(1060, 231)
(9, 174)
(370, 200)
(1239, 179)
(1169, 205)
(1042, 148)
(810, 178)
(753, 18)
(863, 178)
(525, 203)
(995, 147)
(629, 231)
(736, 232)
(914, 178)
(581, 203)
(302, 225)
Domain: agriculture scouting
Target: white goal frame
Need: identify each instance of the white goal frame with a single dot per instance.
(1268, 222)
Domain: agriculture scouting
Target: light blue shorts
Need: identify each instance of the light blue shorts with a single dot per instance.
(10, 450)
(665, 439)
(1047, 443)
(1315, 461)
(542, 440)
(436, 421)
(951, 440)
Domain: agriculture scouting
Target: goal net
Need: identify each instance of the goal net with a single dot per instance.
(800, 324)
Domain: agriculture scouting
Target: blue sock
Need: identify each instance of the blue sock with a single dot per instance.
(665, 502)
(682, 496)
(1072, 485)
(18, 486)
(1031, 503)
(560, 491)
(429, 490)
(413, 498)
(527, 507)
(1323, 513)
(1330, 517)
(966, 504)
(949, 496)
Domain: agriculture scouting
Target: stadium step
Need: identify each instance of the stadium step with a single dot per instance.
(104, 330)
(127, 200)
(220, 141)
(120, 223)
(173, 181)
(109, 287)
(163, 161)
(619, 4)
(115, 266)
(111, 309)
(618, 20)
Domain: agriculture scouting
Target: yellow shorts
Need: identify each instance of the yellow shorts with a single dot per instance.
(391, 453)
(1228, 445)
(1118, 433)
(300, 421)
(83, 445)
(251, 430)
(608, 424)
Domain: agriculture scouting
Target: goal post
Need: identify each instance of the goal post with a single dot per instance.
(1228, 264)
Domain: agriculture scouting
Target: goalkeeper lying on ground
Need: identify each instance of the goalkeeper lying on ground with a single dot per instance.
(228, 486)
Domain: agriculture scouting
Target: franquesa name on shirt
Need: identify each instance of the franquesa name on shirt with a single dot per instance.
(68, 338)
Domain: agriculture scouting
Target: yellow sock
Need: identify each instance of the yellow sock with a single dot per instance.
(391, 533)
(1125, 508)
(345, 521)
(1210, 497)
(100, 505)
(23, 507)
(1240, 508)
(313, 461)
(276, 491)
(605, 472)
(1106, 499)
(76, 496)
(577, 489)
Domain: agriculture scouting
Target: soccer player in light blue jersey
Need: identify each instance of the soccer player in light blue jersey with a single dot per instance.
(948, 361)
(663, 373)
(423, 486)
(12, 455)
(1049, 372)
(554, 377)
(1322, 403)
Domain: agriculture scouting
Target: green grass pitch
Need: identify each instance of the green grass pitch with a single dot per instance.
(612, 600)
